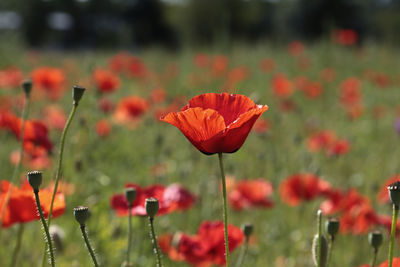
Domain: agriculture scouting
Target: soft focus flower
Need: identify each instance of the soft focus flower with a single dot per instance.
(55, 117)
(105, 104)
(296, 48)
(203, 249)
(251, 193)
(130, 109)
(395, 263)
(171, 198)
(216, 123)
(219, 66)
(281, 86)
(50, 80)
(350, 91)
(103, 128)
(201, 60)
(158, 95)
(321, 140)
(302, 187)
(10, 77)
(21, 207)
(261, 126)
(339, 147)
(106, 81)
(345, 37)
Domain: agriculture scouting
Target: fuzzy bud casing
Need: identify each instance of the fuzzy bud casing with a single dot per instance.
(81, 214)
(152, 207)
(35, 179)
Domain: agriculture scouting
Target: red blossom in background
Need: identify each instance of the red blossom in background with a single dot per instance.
(216, 123)
(302, 187)
(130, 109)
(103, 128)
(21, 207)
(171, 198)
(347, 37)
(10, 77)
(54, 117)
(49, 80)
(204, 249)
(106, 81)
(296, 48)
(327, 140)
(281, 86)
(251, 193)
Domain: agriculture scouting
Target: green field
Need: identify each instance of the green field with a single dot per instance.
(283, 234)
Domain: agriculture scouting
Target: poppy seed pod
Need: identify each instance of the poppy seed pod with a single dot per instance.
(247, 229)
(81, 214)
(394, 193)
(324, 251)
(27, 87)
(77, 93)
(130, 194)
(375, 239)
(35, 179)
(332, 226)
(151, 207)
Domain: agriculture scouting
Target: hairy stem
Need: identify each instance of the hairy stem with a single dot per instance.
(89, 247)
(128, 252)
(393, 233)
(225, 209)
(154, 241)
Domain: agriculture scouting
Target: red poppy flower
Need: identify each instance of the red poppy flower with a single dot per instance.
(50, 80)
(296, 48)
(216, 123)
(10, 77)
(350, 91)
(171, 198)
(320, 140)
(358, 219)
(130, 109)
(339, 147)
(383, 196)
(103, 128)
(55, 117)
(395, 263)
(105, 104)
(261, 126)
(281, 86)
(21, 207)
(204, 249)
(251, 193)
(304, 186)
(106, 81)
(345, 37)
(339, 201)
(313, 89)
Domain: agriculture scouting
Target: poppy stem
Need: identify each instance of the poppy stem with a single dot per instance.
(89, 247)
(243, 253)
(225, 209)
(17, 167)
(154, 241)
(374, 257)
(393, 233)
(14, 258)
(46, 228)
(128, 252)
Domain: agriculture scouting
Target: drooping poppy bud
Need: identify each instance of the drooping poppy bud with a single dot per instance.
(77, 93)
(35, 179)
(394, 193)
(81, 214)
(151, 207)
(375, 239)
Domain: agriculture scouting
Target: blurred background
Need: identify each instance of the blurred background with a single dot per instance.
(174, 24)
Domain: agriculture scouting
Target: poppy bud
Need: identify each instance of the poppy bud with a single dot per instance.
(27, 87)
(394, 193)
(81, 214)
(35, 179)
(375, 239)
(324, 250)
(77, 93)
(332, 226)
(130, 194)
(247, 229)
(152, 206)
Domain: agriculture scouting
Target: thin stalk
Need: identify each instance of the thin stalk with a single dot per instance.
(60, 158)
(17, 167)
(17, 248)
(243, 253)
(46, 229)
(225, 209)
(319, 237)
(58, 173)
(91, 251)
(128, 252)
(393, 233)
(374, 258)
(154, 241)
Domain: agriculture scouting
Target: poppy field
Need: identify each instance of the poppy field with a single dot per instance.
(135, 151)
